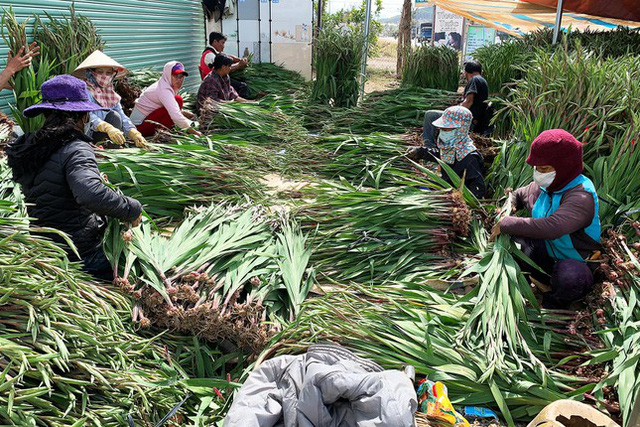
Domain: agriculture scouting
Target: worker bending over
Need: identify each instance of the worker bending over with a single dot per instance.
(57, 170)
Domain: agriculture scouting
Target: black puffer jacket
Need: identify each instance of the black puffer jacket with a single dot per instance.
(67, 192)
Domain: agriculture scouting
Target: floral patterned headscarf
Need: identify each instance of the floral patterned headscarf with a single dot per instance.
(459, 118)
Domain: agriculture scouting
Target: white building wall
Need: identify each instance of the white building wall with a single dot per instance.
(277, 31)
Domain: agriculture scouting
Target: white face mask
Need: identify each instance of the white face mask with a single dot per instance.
(447, 137)
(544, 180)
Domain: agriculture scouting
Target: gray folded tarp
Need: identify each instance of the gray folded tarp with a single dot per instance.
(326, 387)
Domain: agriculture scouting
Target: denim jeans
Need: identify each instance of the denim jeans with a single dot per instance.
(97, 264)
(429, 132)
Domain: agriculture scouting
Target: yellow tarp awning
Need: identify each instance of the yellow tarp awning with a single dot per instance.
(518, 17)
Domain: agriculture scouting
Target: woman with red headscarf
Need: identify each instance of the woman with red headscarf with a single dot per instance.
(563, 231)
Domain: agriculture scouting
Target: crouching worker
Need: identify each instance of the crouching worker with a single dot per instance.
(159, 105)
(564, 229)
(100, 72)
(455, 147)
(216, 86)
(57, 170)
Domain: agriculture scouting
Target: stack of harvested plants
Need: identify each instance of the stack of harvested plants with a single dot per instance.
(337, 61)
(392, 111)
(270, 79)
(370, 236)
(435, 67)
(26, 83)
(262, 122)
(66, 356)
(373, 160)
(617, 177)
(67, 40)
(173, 177)
(219, 275)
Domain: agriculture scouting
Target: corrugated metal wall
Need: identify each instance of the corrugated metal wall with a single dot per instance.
(138, 33)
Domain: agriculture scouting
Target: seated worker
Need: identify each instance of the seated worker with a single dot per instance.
(564, 229)
(476, 94)
(216, 47)
(159, 105)
(216, 86)
(455, 148)
(17, 63)
(99, 72)
(57, 170)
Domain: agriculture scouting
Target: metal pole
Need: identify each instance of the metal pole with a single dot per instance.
(319, 24)
(556, 30)
(365, 53)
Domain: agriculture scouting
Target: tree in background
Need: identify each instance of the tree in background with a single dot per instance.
(404, 36)
(355, 18)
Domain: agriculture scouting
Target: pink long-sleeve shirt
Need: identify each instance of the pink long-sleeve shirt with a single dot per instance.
(158, 95)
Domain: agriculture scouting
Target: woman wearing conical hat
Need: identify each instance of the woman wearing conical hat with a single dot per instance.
(100, 71)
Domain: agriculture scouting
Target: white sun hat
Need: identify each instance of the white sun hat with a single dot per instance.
(99, 60)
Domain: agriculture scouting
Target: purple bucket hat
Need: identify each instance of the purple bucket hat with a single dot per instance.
(64, 93)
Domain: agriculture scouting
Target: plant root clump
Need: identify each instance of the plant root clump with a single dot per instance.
(461, 214)
(196, 309)
(129, 92)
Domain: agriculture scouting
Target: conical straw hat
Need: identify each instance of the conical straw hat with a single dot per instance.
(98, 60)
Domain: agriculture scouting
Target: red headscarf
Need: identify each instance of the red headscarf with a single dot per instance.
(560, 149)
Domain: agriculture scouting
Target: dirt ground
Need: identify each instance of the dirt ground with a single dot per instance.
(379, 79)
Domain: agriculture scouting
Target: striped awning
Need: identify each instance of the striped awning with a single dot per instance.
(519, 17)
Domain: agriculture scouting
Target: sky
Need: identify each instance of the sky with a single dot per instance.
(389, 7)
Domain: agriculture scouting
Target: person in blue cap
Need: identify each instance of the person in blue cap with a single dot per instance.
(57, 170)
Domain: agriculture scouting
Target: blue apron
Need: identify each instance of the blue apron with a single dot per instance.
(547, 203)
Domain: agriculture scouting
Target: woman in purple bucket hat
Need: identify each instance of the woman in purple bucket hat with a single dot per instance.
(56, 167)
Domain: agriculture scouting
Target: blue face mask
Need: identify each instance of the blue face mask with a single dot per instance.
(447, 138)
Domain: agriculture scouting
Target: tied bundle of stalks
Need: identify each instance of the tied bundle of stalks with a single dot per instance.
(399, 324)
(435, 67)
(173, 177)
(338, 61)
(219, 275)
(486, 146)
(372, 236)
(392, 111)
(69, 39)
(144, 77)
